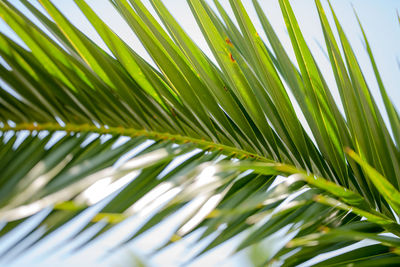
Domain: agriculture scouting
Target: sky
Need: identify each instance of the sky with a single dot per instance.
(383, 31)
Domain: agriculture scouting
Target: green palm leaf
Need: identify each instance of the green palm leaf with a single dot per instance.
(216, 135)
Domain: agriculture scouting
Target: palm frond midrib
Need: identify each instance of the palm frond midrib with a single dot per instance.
(132, 132)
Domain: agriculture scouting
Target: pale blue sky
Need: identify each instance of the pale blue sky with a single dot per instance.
(382, 28)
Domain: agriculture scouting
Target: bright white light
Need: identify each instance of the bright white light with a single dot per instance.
(105, 187)
(206, 176)
(97, 191)
(144, 160)
(151, 196)
(158, 203)
(210, 204)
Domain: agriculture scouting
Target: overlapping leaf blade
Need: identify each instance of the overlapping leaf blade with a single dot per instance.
(237, 109)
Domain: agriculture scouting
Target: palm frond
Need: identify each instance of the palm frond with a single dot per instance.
(213, 133)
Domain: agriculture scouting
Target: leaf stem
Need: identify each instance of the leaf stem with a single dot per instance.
(131, 132)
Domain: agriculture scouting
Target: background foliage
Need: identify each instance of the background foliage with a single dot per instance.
(213, 134)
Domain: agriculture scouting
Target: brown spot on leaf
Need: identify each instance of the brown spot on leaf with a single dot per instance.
(231, 57)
